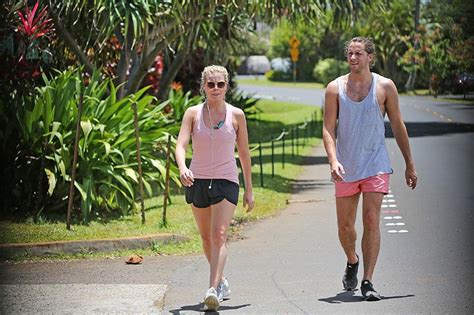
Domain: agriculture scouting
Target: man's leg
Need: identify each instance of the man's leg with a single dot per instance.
(346, 215)
(371, 204)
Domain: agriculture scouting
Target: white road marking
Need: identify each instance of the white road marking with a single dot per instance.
(390, 203)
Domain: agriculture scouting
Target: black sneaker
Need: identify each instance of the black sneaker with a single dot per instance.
(368, 291)
(349, 281)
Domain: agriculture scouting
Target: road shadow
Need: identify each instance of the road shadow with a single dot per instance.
(350, 297)
(200, 308)
(427, 129)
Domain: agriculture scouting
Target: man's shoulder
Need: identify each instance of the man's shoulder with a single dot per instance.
(384, 81)
(333, 85)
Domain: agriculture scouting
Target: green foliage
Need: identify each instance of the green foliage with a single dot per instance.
(257, 44)
(310, 38)
(443, 43)
(277, 75)
(107, 178)
(390, 24)
(246, 103)
(179, 102)
(328, 69)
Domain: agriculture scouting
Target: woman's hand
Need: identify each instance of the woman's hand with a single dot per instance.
(186, 177)
(248, 201)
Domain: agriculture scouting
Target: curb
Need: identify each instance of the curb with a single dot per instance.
(87, 246)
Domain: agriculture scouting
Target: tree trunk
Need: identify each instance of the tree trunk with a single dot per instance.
(140, 68)
(169, 76)
(71, 43)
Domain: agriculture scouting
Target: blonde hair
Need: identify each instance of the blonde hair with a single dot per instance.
(213, 69)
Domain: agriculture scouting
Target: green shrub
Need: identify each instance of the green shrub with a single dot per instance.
(107, 177)
(329, 69)
(276, 75)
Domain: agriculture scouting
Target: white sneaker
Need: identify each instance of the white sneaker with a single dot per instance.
(223, 290)
(211, 301)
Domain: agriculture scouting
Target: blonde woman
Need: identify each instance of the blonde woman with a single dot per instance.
(211, 181)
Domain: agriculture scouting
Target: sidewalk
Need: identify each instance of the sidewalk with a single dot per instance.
(271, 248)
(272, 269)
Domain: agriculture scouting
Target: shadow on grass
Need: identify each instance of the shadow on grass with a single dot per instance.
(265, 131)
(297, 159)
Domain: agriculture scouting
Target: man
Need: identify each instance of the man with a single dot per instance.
(356, 104)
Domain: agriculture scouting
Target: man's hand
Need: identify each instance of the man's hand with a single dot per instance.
(411, 177)
(337, 170)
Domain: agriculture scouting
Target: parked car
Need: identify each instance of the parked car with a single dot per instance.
(462, 83)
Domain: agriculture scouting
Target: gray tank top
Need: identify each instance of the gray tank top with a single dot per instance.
(360, 145)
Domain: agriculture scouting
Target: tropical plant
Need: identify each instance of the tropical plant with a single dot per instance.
(25, 35)
(179, 102)
(106, 172)
(390, 24)
(143, 29)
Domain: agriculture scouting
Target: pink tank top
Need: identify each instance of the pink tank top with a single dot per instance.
(218, 162)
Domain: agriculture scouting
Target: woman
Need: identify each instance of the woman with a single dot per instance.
(211, 181)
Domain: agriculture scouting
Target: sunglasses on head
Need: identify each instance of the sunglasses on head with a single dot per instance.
(212, 85)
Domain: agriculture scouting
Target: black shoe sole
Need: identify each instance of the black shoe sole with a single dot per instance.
(350, 287)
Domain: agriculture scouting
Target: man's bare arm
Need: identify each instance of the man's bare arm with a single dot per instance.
(399, 130)
(331, 107)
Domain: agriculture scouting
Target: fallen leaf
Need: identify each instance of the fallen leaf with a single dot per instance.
(134, 260)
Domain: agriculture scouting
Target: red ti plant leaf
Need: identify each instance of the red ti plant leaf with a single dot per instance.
(34, 25)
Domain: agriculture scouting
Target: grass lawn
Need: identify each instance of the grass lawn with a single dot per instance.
(269, 199)
(264, 82)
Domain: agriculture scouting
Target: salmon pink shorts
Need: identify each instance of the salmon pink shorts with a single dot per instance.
(377, 183)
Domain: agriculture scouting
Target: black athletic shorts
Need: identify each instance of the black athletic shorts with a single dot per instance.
(201, 196)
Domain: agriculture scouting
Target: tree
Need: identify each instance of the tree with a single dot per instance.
(142, 29)
(390, 24)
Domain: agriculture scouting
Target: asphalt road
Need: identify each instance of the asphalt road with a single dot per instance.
(292, 263)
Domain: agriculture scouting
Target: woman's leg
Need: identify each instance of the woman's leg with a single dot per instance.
(221, 216)
(203, 221)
